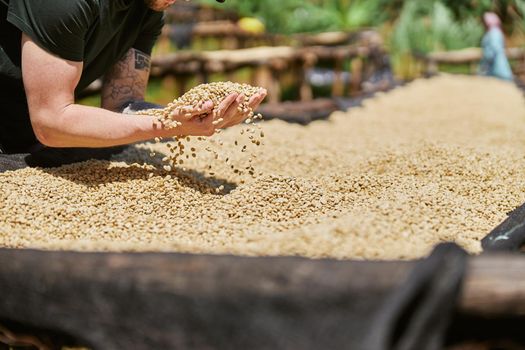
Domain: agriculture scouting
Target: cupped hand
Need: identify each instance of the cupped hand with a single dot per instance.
(204, 121)
(194, 120)
(228, 113)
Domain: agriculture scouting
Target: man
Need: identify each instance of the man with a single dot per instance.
(52, 49)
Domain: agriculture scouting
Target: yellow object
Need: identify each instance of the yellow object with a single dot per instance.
(251, 25)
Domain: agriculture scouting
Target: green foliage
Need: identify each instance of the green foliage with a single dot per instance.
(512, 12)
(468, 8)
(431, 26)
(517, 13)
(274, 13)
(296, 16)
(309, 18)
(419, 25)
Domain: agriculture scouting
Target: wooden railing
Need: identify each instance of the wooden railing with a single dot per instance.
(470, 56)
(229, 35)
(268, 64)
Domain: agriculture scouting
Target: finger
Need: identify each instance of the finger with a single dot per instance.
(263, 93)
(206, 107)
(233, 116)
(189, 112)
(233, 109)
(227, 117)
(256, 100)
(225, 104)
(204, 112)
(260, 95)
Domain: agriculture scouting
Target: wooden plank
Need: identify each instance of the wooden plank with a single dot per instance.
(458, 56)
(302, 112)
(222, 61)
(253, 56)
(356, 76)
(468, 55)
(326, 38)
(305, 89)
(494, 285)
(338, 86)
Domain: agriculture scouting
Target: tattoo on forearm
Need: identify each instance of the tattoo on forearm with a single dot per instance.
(142, 61)
(127, 80)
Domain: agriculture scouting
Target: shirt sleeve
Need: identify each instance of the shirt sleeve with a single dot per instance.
(151, 30)
(57, 26)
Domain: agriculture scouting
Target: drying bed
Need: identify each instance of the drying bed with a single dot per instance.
(436, 160)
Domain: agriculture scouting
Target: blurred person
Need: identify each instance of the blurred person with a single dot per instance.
(52, 49)
(494, 62)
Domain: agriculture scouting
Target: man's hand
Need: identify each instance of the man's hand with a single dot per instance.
(194, 121)
(228, 108)
(203, 122)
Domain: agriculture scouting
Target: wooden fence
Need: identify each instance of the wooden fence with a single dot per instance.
(268, 64)
(470, 56)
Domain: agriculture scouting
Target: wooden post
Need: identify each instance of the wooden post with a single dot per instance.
(277, 65)
(230, 73)
(262, 76)
(522, 68)
(305, 89)
(274, 91)
(203, 76)
(181, 84)
(169, 83)
(163, 45)
(338, 86)
(432, 67)
(230, 42)
(495, 285)
(356, 67)
(473, 67)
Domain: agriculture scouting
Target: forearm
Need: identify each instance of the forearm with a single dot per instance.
(50, 82)
(83, 126)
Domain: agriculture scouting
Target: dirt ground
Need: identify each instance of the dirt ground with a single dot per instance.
(437, 160)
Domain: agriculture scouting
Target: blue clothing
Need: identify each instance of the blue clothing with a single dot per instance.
(494, 62)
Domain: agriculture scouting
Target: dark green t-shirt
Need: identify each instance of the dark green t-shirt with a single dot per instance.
(96, 32)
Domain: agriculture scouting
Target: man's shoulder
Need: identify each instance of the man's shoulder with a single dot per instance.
(55, 7)
(58, 26)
